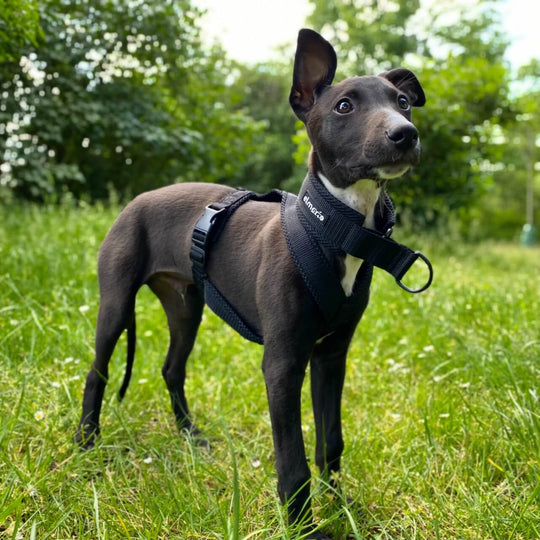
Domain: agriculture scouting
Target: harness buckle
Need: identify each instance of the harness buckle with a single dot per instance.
(201, 238)
(419, 255)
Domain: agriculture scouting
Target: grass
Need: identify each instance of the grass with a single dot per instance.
(441, 405)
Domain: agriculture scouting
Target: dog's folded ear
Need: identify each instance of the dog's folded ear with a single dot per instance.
(407, 82)
(315, 65)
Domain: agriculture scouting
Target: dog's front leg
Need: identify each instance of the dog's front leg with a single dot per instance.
(327, 377)
(284, 374)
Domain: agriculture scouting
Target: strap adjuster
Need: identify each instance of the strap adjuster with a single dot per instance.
(201, 238)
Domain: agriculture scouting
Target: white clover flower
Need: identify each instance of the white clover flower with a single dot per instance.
(84, 308)
(147, 460)
(255, 462)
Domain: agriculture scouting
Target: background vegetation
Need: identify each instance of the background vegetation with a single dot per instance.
(124, 96)
(101, 100)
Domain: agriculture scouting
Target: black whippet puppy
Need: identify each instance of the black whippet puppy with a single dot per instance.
(361, 135)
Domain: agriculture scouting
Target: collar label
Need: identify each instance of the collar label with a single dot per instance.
(315, 211)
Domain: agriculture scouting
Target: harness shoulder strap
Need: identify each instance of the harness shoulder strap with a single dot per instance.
(206, 232)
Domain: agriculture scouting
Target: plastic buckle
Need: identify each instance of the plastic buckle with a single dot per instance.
(201, 237)
(419, 255)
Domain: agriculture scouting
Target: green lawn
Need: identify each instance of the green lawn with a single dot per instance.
(441, 405)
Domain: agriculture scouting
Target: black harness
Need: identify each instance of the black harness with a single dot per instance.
(317, 227)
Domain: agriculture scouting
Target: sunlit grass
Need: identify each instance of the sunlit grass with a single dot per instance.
(440, 408)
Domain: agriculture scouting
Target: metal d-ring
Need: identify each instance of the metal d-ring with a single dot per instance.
(430, 279)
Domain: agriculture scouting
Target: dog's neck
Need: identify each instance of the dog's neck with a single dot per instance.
(362, 196)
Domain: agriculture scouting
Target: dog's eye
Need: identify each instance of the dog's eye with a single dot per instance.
(343, 106)
(403, 103)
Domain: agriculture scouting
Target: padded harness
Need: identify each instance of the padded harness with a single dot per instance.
(317, 227)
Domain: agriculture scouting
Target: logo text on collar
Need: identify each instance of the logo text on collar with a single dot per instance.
(317, 213)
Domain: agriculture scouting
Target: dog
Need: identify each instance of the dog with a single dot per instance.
(362, 136)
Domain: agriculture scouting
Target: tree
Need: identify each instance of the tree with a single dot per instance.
(264, 91)
(368, 34)
(513, 199)
(118, 93)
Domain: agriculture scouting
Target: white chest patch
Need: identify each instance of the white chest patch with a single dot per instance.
(362, 196)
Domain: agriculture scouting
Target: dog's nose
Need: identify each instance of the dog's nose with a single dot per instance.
(404, 136)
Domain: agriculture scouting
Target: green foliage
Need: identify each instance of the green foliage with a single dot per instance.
(263, 94)
(441, 405)
(467, 101)
(369, 34)
(465, 28)
(19, 25)
(123, 95)
(119, 93)
(517, 183)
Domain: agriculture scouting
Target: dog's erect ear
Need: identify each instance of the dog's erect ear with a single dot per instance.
(315, 65)
(407, 82)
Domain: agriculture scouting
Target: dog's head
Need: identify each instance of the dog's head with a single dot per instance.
(359, 128)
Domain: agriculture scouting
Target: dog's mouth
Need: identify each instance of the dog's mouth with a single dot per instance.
(385, 171)
(392, 170)
(382, 163)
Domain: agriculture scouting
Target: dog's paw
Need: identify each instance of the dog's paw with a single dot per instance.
(86, 436)
(196, 438)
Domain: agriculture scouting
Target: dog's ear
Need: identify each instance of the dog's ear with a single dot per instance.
(315, 65)
(407, 82)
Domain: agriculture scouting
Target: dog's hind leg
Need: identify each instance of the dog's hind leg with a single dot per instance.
(116, 313)
(183, 305)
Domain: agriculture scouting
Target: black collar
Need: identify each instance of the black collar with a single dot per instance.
(339, 226)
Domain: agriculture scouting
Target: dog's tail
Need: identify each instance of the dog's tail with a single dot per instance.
(131, 339)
